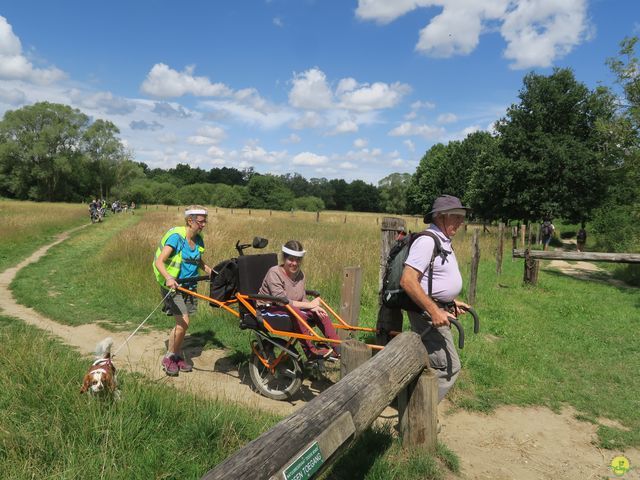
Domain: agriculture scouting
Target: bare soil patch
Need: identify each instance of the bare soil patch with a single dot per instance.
(511, 443)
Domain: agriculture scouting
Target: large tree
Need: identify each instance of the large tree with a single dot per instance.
(41, 153)
(105, 152)
(552, 142)
(393, 192)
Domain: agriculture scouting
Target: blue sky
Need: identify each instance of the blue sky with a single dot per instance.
(325, 88)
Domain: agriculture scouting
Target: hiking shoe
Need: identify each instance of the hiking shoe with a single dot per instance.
(183, 365)
(170, 366)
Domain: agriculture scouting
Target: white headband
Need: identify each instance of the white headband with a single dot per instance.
(195, 211)
(293, 253)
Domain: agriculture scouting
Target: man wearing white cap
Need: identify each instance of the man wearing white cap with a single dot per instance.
(179, 255)
(438, 299)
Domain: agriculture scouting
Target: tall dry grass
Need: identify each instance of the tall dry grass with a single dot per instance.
(24, 226)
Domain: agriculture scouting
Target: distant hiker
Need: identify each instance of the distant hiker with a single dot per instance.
(179, 255)
(547, 229)
(581, 238)
(434, 292)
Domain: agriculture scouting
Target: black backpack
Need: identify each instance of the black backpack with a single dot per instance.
(224, 281)
(546, 229)
(392, 294)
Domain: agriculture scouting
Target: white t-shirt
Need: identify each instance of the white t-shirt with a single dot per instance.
(447, 281)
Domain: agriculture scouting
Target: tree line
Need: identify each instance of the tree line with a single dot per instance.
(563, 150)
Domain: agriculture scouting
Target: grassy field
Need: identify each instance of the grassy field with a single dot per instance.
(565, 341)
(77, 291)
(28, 225)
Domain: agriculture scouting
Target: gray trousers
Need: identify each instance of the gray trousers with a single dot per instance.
(443, 356)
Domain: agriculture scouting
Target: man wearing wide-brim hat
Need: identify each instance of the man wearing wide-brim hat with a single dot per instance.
(434, 290)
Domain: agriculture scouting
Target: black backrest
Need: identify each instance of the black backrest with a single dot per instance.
(252, 270)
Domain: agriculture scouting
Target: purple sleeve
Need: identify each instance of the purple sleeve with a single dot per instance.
(420, 253)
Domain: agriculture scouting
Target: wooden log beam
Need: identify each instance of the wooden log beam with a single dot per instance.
(579, 256)
(364, 393)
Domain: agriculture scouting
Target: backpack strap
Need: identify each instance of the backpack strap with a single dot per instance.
(438, 251)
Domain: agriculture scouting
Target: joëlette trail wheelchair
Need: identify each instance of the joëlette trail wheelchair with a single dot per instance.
(276, 366)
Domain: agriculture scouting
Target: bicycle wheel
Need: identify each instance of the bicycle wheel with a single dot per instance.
(280, 382)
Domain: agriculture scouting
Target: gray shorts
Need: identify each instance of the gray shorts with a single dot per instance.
(179, 303)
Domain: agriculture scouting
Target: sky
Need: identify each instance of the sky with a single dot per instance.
(352, 89)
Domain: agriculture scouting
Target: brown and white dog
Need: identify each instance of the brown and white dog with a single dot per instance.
(101, 377)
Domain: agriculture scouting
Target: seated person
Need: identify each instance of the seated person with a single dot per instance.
(288, 281)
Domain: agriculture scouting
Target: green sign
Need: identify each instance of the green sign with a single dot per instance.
(308, 463)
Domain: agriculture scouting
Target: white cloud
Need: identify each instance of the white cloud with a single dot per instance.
(215, 133)
(12, 96)
(346, 126)
(420, 104)
(348, 166)
(365, 97)
(277, 21)
(252, 154)
(537, 32)
(15, 66)
(307, 120)
(102, 102)
(215, 151)
(447, 118)
(310, 90)
(268, 116)
(410, 145)
(310, 159)
(164, 82)
(144, 125)
(293, 138)
(411, 115)
(360, 143)
(408, 129)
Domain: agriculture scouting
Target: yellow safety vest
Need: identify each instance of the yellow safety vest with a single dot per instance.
(174, 261)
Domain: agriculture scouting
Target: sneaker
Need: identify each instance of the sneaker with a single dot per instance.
(170, 366)
(183, 365)
(319, 353)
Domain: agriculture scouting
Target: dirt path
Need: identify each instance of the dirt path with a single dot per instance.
(512, 443)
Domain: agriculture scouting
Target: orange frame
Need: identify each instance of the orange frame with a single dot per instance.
(312, 336)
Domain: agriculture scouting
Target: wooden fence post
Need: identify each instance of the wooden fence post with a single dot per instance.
(345, 219)
(318, 216)
(500, 248)
(514, 237)
(353, 353)
(523, 232)
(531, 267)
(350, 298)
(418, 412)
(475, 260)
(530, 235)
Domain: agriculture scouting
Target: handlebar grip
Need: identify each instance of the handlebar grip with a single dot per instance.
(313, 293)
(457, 324)
(476, 320)
(193, 279)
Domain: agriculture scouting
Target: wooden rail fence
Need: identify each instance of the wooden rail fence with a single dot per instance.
(304, 443)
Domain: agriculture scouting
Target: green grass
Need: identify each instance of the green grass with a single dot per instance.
(49, 430)
(563, 342)
(378, 455)
(29, 225)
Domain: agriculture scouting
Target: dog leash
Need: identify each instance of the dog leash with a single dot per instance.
(143, 322)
